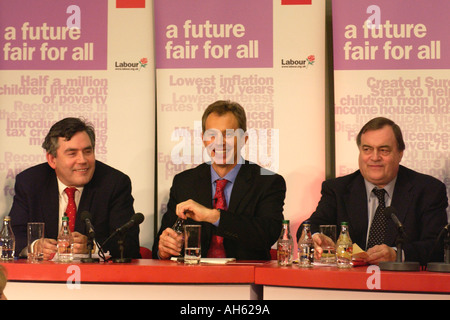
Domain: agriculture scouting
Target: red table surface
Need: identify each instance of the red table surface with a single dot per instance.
(138, 271)
(356, 278)
(259, 273)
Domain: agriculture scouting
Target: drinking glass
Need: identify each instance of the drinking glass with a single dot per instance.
(35, 235)
(192, 244)
(328, 233)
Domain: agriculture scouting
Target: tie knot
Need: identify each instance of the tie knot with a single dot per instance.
(379, 193)
(70, 192)
(220, 184)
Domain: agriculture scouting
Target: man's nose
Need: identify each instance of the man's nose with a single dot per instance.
(375, 156)
(81, 158)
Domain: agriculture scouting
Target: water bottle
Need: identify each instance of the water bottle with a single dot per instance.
(344, 248)
(178, 227)
(7, 241)
(285, 246)
(65, 242)
(306, 248)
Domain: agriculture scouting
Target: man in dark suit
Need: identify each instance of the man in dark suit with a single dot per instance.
(420, 200)
(251, 221)
(100, 189)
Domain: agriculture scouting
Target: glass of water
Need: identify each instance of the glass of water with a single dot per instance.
(35, 232)
(328, 236)
(192, 244)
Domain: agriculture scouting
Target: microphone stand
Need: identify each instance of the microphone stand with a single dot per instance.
(121, 232)
(442, 266)
(90, 246)
(120, 242)
(399, 265)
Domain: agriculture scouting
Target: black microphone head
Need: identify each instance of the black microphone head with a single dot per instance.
(138, 218)
(86, 215)
(389, 211)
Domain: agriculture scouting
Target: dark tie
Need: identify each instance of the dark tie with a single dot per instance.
(71, 210)
(378, 227)
(216, 249)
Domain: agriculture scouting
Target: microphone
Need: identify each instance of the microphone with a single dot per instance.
(391, 212)
(398, 265)
(136, 219)
(87, 217)
(441, 266)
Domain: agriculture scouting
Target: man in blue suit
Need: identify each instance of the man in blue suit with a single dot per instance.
(420, 200)
(100, 189)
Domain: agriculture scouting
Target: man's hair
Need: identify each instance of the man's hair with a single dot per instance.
(67, 128)
(379, 123)
(222, 107)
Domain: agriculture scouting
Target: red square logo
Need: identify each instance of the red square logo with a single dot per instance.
(130, 3)
(294, 2)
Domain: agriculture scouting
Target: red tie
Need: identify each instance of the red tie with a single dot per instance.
(71, 210)
(216, 249)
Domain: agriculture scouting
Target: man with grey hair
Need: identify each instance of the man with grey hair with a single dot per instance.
(361, 197)
(72, 177)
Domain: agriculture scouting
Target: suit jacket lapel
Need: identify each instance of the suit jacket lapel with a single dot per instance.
(401, 200)
(204, 197)
(241, 185)
(50, 207)
(86, 199)
(356, 207)
(204, 189)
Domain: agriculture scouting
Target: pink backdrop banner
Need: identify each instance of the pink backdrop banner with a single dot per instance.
(216, 34)
(275, 69)
(41, 35)
(399, 70)
(406, 34)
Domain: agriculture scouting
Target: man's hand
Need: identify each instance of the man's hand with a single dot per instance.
(379, 253)
(197, 212)
(47, 246)
(79, 243)
(321, 240)
(170, 244)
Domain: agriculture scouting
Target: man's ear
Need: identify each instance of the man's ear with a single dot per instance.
(51, 160)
